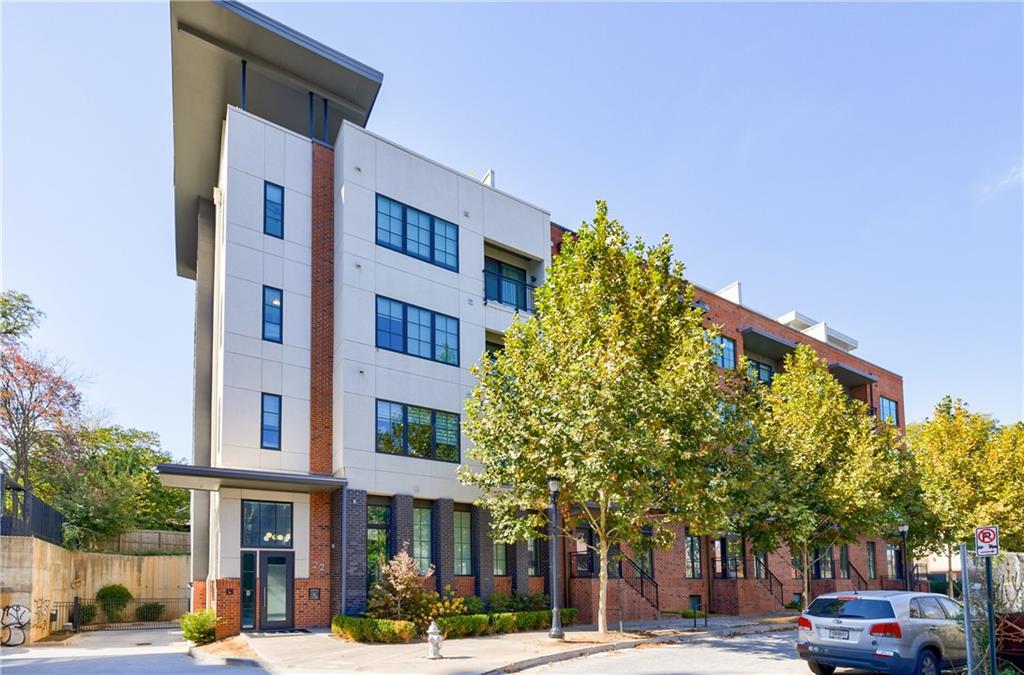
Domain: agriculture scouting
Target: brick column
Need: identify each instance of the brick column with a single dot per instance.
(520, 567)
(401, 523)
(483, 551)
(356, 554)
(443, 535)
(321, 355)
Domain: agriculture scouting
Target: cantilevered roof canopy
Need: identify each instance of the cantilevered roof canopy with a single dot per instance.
(209, 40)
(851, 377)
(763, 342)
(213, 478)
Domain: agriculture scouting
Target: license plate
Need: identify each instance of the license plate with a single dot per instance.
(838, 634)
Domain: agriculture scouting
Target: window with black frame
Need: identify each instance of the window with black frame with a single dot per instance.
(844, 561)
(761, 565)
(693, 564)
(266, 524)
(505, 284)
(378, 540)
(762, 371)
(533, 557)
(872, 570)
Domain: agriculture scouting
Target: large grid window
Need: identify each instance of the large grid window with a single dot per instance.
(692, 567)
(418, 432)
(417, 234)
(725, 355)
(762, 371)
(266, 524)
(378, 540)
(270, 429)
(421, 541)
(273, 210)
(273, 307)
(500, 559)
(463, 547)
(890, 410)
(416, 331)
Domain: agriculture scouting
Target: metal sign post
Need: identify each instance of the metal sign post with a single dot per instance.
(986, 544)
(965, 585)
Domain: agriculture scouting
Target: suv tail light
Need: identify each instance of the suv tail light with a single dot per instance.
(804, 623)
(891, 629)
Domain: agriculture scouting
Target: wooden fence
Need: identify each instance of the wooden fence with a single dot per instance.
(147, 541)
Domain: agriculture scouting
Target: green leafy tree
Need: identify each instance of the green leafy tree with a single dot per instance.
(610, 387)
(18, 316)
(826, 469)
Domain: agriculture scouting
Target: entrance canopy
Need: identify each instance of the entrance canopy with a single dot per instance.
(213, 478)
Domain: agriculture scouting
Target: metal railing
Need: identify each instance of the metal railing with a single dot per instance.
(856, 578)
(770, 581)
(511, 292)
(117, 614)
(584, 566)
(22, 514)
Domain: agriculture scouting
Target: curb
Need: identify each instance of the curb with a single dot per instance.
(210, 660)
(557, 657)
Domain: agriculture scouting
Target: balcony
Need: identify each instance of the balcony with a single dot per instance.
(506, 290)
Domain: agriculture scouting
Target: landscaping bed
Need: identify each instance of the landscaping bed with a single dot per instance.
(361, 629)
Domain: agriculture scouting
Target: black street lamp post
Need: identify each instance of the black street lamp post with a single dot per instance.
(904, 528)
(556, 632)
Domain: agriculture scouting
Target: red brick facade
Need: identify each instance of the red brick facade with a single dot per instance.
(465, 586)
(321, 394)
(503, 585)
(227, 597)
(198, 595)
(312, 613)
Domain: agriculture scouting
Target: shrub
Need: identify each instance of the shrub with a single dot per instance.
(534, 602)
(569, 615)
(463, 625)
(532, 620)
(472, 605)
(87, 614)
(691, 614)
(112, 599)
(199, 627)
(149, 611)
(362, 629)
(504, 622)
(500, 602)
(399, 593)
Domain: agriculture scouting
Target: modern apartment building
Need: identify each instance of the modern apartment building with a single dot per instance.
(344, 285)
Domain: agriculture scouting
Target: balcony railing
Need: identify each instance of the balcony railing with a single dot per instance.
(22, 514)
(506, 291)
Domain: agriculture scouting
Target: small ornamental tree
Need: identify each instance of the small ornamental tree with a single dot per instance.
(826, 469)
(399, 592)
(610, 387)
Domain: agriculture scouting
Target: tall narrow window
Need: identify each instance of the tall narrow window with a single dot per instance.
(844, 561)
(693, 558)
(893, 561)
(872, 566)
(273, 307)
(500, 559)
(270, 431)
(273, 210)
(463, 547)
(389, 223)
(725, 355)
(890, 410)
(248, 589)
(533, 557)
(378, 537)
(446, 244)
(390, 324)
(446, 339)
(421, 537)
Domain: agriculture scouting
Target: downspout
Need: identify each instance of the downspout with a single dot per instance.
(344, 549)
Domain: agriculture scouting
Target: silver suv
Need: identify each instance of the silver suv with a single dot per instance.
(883, 631)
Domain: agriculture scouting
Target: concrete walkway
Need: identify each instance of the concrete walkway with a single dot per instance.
(321, 651)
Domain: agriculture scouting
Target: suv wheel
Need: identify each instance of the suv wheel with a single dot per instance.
(820, 668)
(927, 663)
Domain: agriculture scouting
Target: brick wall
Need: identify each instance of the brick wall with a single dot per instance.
(503, 585)
(198, 595)
(228, 605)
(537, 585)
(519, 567)
(464, 586)
(401, 523)
(483, 552)
(321, 380)
(442, 539)
(310, 613)
(356, 555)
(624, 602)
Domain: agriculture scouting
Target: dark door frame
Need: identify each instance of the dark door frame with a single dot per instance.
(289, 621)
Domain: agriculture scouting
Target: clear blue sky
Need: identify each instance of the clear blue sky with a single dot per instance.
(860, 163)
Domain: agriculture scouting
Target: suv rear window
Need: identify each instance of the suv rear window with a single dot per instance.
(851, 608)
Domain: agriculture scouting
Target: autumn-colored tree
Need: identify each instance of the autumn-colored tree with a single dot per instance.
(610, 387)
(826, 469)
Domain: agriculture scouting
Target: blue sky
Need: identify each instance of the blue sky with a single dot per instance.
(860, 163)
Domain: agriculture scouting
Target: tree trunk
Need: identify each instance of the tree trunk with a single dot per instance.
(949, 570)
(805, 563)
(602, 594)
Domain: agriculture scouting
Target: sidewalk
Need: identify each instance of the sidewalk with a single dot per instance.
(321, 651)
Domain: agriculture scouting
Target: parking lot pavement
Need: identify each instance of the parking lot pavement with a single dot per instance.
(153, 652)
(759, 653)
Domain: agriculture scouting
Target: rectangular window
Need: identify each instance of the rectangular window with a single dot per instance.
(500, 559)
(248, 589)
(416, 331)
(693, 556)
(760, 565)
(273, 306)
(825, 564)
(378, 540)
(872, 569)
(762, 371)
(418, 432)
(844, 561)
(463, 548)
(421, 528)
(890, 411)
(266, 524)
(417, 234)
(725, 354)
(893, 561)
(273, 210)
(270, 430)
(505, 283)
(533, 557)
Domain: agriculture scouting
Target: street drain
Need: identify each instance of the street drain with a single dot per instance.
(143, 644)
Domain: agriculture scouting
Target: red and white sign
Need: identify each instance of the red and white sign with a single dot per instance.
(986, 540)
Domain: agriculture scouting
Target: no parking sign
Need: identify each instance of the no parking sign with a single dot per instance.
(986, 540)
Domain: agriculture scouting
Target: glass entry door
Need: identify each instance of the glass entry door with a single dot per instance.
(277, 581)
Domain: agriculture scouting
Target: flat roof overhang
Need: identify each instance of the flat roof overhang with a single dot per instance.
(762, 342)
(213, 478)
(209, 40)
(851, 377)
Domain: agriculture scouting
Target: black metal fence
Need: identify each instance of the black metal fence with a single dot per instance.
(24, 515)
(118, 614)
